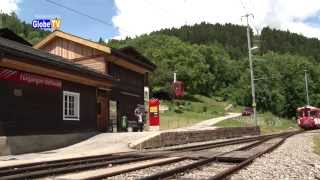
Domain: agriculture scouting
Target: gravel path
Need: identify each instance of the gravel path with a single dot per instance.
(294, 159)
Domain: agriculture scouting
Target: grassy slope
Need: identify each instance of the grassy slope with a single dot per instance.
(267, 122)
(192, 110)
(198, 108)
(316, 147)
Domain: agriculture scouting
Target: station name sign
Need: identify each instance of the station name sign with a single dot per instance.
(46, 23)
(28, 78)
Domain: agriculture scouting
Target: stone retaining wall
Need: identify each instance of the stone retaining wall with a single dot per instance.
(184, 137)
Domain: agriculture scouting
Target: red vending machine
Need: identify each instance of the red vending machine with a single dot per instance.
(154, 114)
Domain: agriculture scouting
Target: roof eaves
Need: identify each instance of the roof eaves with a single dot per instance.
(140, 56)
(74, 38)
(48, 58)
(119, 53)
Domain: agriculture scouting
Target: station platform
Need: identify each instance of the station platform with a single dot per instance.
(103, 143)
(108, 143)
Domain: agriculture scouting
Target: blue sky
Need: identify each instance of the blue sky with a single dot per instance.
(314, 20)
(71, 22)
(136, 17)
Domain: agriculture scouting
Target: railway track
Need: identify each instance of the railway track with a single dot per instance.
(241, 157)
(104, 166)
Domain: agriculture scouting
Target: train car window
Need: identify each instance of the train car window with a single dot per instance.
(313, 113)
(308, 113)
(300, 113)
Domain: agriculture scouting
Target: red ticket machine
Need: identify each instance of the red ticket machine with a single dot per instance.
(154, 114)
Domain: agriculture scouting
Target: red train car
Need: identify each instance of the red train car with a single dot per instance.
(308, 117)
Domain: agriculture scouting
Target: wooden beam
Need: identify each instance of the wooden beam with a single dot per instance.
(73, 38)
(86, 57)
(107, 50)
(55, 73)
(125, 64)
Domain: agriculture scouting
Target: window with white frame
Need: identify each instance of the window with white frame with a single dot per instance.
(71, 106)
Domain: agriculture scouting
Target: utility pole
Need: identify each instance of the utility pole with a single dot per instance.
(251, 69)
(306, 81)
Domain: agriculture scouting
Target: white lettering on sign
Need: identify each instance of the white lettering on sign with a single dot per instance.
(28, 78)
(38, 80)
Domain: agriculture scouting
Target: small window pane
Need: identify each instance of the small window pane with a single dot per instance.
(71, 105)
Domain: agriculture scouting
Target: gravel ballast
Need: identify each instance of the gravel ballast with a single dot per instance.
(294, 159)
(200, 173)
(148, 171)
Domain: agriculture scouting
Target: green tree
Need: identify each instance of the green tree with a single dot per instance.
(22, 28)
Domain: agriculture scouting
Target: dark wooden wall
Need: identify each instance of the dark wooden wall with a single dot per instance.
(130, 82)
(88, 108)
(39, 111)
(36, 110)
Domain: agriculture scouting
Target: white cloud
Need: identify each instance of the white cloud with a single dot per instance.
(8, 6)
(144, 16)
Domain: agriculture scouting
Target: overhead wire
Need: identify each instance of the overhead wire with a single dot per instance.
(80, 13)
(83, 14)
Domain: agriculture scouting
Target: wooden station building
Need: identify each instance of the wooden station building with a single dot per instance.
(67, 84)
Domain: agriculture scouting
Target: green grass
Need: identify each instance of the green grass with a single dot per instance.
(316, 142)
(170, 120)
(268, 123)
(236, 122)
(191, 110)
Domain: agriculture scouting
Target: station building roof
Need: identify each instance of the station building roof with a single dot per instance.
(16, 47)
(129, 54)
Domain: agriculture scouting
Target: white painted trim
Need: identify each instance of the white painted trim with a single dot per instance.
(105, 89)
(129, 94)
(77, 100)
(71, 119)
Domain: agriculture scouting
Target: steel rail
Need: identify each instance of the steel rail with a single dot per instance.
(78, 167)
(171, 172)
(246, 162)
(223, 143)
(134, 169)
(195, 148)
(32, 168)
(119, 155)
(59, 164)
(192, 148)
(53, 161)
(41, 169)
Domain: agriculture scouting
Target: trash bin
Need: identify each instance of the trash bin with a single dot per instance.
(124, 122)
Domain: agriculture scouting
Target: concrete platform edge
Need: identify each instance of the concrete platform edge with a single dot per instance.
(12, 145)
(163, 139)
